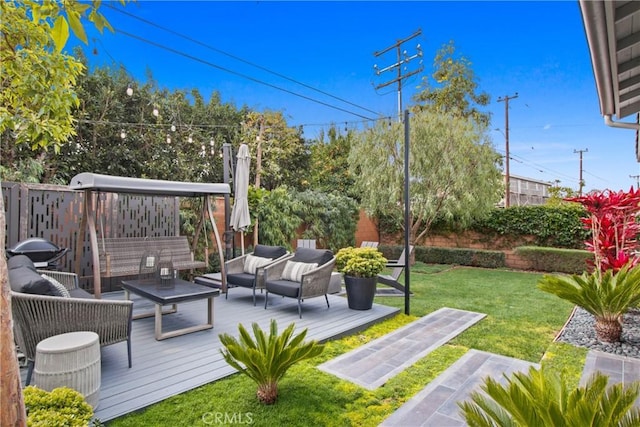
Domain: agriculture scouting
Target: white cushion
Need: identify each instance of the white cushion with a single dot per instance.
(252, 263)
(64, 292)
(293, 270)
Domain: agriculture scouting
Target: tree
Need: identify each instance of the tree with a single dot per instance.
(329, 164)
(454, 88)
(277, 150)
(453, 169)
(36, 100)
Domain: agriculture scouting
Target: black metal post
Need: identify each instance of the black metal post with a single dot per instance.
(407, 223)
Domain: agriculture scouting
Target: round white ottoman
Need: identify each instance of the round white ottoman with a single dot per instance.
(70, 360)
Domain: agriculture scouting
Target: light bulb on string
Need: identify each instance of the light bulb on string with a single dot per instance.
(173, 128)
(168, 139)
(212, 143)
(129, 90)
(123, 134)
(155, 111)
(203, 150)
(190, 139)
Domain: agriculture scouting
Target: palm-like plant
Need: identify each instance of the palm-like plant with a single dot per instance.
(539, 399)
(614, 284)
(607, 296)
(268, 358)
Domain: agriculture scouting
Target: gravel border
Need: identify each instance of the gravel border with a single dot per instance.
(580, 331)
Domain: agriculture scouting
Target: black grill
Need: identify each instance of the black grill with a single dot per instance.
(44, 253)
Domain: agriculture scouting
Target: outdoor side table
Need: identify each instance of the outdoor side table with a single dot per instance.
(70, 360)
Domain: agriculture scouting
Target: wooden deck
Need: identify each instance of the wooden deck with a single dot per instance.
(162, 369)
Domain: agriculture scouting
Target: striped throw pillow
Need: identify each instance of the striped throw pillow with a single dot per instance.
(252, 263)
(293, 270)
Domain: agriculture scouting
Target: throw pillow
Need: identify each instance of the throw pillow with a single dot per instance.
(293, 271)
(59, 287)
(252, 263)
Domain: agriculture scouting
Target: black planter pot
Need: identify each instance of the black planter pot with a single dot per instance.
(360, 292)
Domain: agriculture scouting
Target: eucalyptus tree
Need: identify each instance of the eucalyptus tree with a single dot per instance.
(453, 171)
(452, 87)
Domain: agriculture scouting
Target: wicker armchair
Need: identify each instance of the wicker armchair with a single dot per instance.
(237, 274)
(312, 283)
(37, 317)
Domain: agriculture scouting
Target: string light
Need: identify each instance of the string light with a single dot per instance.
(123, 134)
(203, 151)
(155, 111)
(190, 139)
(168, 139)
(212, 143)
(129, 90)
(173, 128)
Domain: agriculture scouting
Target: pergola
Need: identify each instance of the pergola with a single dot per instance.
(92, 184)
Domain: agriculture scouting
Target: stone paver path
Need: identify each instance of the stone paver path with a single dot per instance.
(372, 364)
(437, 404)
(620, 369)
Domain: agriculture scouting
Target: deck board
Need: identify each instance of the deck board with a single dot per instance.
(165, 368)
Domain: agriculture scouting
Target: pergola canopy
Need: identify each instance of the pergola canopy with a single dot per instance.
(121, 184)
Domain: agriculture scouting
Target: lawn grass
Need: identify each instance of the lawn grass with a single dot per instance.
(521, 322)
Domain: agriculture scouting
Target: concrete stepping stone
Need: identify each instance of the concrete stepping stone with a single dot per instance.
(372, 364)
(437, 404)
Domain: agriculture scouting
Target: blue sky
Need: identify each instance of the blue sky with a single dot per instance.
(537, 49)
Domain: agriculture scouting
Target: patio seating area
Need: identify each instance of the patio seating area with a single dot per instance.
(162, 369)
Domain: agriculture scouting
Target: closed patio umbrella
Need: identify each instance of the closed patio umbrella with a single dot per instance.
(240, 219)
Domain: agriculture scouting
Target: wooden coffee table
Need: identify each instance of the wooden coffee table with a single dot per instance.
(180, 291)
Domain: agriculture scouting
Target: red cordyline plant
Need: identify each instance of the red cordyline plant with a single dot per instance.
(612, 221)
(614, 285)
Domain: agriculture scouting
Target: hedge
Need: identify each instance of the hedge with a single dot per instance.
(458, 256)
(572, 261)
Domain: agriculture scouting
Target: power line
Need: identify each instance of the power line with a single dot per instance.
(260, 67)
(211, 64)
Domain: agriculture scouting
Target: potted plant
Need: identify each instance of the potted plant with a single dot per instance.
(360, 267)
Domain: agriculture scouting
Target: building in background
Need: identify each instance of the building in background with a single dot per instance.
(526, 191)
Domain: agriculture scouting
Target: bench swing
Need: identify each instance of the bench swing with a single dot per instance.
(121, 256)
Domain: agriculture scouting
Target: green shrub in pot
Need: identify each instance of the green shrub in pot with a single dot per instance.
(360, 262)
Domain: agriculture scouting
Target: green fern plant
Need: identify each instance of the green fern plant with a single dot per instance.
(606, 295)
(540, 399)
(268, 358)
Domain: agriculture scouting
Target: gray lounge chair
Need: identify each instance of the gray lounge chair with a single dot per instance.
(392, 279)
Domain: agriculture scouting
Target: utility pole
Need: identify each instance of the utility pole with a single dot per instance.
(637, 178)
(401, 59)
(581, 182)
(507, 177)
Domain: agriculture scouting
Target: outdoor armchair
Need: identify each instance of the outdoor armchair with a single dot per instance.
(247, 270)
(38, 316)
(305, 275)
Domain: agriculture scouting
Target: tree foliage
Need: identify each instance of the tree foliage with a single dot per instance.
(452, 166)
(36, 100)
(329, 163)
(277, 148)
(453, 87)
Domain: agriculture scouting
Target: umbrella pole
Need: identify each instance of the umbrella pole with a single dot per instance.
(242, 241)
